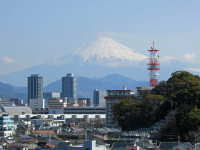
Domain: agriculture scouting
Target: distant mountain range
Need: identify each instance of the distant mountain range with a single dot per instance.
(85, 86)
(8, 91)
(102, 57)
(105, 64)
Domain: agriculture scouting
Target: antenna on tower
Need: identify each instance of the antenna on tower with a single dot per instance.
(153, 45)
(153, 66)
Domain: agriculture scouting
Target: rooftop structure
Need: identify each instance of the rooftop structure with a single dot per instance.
(7, 103)
(87, 145)
(84, 110)
(18, 110)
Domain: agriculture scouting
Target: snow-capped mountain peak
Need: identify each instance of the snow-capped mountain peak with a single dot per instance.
(107, 48)
(104, 52)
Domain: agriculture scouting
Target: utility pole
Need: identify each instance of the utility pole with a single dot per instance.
(179, 139)
(195, 141)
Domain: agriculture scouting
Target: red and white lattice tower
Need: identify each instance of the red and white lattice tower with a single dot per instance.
(153, 66)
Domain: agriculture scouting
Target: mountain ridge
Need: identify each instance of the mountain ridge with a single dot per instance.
(108, 82)
(85, 86)
(102, 57)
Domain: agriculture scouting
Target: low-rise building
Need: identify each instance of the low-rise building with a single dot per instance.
(84, 102)
(84, 110)
(44, 133)
(18, 110)
(17, 101)
(7, 103)
(48, 95)
(56, 105)
(37, 103)
(6, 125)
(87, 145)
(142, 91)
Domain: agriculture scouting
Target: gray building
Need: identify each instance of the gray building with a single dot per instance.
(35, 87)
(115, 96)
(142, 91)
(56, 105)
(69, 84)
(17, 110)
(48, 95)
(85, 110)
(17, 101)
(88, 101)
(98, 98)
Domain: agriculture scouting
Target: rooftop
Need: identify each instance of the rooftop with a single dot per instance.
(44, 132)
(18, 110)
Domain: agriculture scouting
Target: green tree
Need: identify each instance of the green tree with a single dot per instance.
(177, 98)
(183, 87)
(193, 119)
(127, 113)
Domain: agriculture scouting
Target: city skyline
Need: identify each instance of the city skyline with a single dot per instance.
(99, 74)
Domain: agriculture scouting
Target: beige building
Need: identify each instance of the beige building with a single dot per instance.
(56, 105)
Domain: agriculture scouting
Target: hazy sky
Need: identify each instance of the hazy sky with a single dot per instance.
(37, 31)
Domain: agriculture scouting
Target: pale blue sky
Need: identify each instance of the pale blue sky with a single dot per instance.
(37, 31)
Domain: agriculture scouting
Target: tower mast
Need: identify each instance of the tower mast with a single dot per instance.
(153, 66)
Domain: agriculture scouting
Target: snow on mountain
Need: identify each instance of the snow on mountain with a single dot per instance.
(102, 57)
(106, 48)
(105, 52)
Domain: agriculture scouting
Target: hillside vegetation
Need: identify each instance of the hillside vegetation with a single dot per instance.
(177, 101)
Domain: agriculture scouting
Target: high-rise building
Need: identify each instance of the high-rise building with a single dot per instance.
(69, 84)
(98, 98)
(35, 87)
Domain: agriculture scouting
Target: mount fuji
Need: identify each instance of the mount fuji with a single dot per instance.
(104, 52)
(102, 57)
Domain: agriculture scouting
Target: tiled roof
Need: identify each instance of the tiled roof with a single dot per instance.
(44, 132)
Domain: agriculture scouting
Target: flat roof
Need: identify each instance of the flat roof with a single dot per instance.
(121, 90)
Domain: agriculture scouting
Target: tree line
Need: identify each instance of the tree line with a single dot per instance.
(176, 101)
